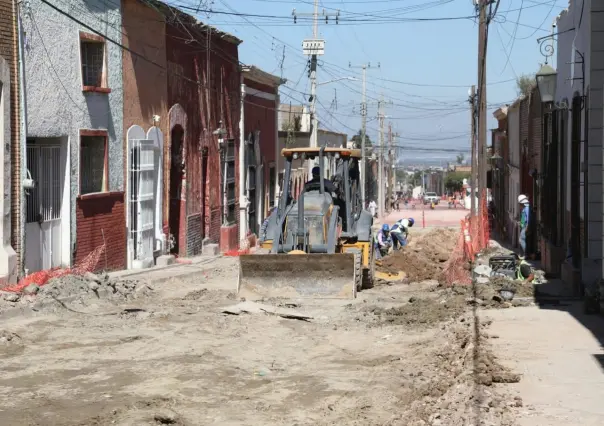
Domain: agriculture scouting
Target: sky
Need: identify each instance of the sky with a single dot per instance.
(426, 51)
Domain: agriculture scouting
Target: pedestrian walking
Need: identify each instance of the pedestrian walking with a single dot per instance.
(372, 208)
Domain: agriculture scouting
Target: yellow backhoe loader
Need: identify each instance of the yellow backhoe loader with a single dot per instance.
(320, 244)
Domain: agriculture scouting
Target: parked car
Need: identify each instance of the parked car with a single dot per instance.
(431, 197)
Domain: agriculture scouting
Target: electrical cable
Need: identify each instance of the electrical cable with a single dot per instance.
(513, 39)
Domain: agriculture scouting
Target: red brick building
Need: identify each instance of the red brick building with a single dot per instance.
(261, 108)
(193, 86)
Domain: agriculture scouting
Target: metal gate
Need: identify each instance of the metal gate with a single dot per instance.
(43, 212)
(142, 171)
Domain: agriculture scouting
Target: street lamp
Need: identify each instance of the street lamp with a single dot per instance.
(546, 81)
(220, 132)
(494, 159)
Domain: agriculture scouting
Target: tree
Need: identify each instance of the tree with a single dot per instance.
(292, 125)
(358, 138)
(454, 181)
(460, 158)
(525, 83)
(417, 178)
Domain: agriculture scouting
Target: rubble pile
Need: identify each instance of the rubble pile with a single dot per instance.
(490, 290)
(78, 288)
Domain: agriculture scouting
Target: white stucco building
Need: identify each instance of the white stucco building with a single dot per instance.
(74, 148)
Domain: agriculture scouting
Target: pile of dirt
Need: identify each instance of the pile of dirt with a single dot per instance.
(77, 288)
(94, 286)
(456, 390)
(423, 259)
(422, 311)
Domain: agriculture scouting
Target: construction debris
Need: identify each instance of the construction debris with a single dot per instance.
(75, 289)
(412, 354)
(257, 308)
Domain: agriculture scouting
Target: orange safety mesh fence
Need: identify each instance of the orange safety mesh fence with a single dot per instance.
(473, 238)
(245, 246)
(88, 264)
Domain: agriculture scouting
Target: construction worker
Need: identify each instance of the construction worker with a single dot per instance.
(400, 232)
(315, 183)
(524, 271)
(524, 220)
(382, 242)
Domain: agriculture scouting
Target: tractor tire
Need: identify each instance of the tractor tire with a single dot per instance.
(358, 269)
(369, 273)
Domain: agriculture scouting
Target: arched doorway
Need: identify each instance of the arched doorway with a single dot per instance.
(176, 183)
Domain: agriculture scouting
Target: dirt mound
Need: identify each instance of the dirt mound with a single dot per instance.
(91, 285)
(76, 289)
(422, 311)
(423, 259)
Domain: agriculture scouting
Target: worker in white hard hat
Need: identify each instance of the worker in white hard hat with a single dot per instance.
(524, 220)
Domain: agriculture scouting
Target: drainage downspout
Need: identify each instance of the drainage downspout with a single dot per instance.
(23, 139)
(242, 166)
(277, 153)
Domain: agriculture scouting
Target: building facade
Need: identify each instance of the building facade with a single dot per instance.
(10, 138)
(259, 137)
(203, 134)
(499, 144)
(74, 147)
(512, 170)
(578, 124)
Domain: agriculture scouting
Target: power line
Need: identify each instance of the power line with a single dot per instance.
(383, 19)
(513, 39)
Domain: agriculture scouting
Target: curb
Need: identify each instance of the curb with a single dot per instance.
(201, 260)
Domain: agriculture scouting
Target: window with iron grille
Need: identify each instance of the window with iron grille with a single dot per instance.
(93, 164)
(229, 198)
(93, 61)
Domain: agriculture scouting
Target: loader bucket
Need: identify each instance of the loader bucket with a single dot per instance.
(297, 276)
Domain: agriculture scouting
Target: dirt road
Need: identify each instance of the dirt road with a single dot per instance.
(133, 353)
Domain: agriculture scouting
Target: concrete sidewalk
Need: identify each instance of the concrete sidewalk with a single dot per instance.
(558, 351)
(187, 266)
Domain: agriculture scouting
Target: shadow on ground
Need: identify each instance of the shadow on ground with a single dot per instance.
(554, 294)
(576, 308)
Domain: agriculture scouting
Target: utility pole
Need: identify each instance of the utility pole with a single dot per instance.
(381, 201)
(390, 163)
(314, 47)
(482, 98)
(473, 170)
(364, 67)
